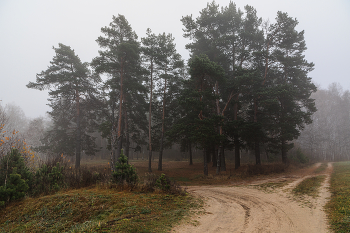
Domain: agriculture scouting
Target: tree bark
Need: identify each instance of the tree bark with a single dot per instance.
(257, 151)
(222, 160)
(256, 140)
(78, 133)
(160, 160)
(162, 134)
(214, 155)
(190, 150)
(127, 140)
(218, 162)
(149, 124)
(235, 137)
(237, 152)
(113, 139)
(205, 164)
(119, 145)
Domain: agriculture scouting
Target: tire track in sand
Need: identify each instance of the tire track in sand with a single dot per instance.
(246, 209)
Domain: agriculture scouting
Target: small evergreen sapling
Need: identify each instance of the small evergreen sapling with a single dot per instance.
(124, 172)
(15, 177)
(15, 189)
(163, 183)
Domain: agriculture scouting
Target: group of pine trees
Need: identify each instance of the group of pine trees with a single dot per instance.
(245, 86)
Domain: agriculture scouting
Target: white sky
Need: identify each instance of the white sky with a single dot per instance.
(29, 29)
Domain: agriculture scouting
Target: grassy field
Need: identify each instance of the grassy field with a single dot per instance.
(96, 210)
(338, 207)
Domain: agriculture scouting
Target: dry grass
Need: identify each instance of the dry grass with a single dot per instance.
(96, 210)
(184, 174)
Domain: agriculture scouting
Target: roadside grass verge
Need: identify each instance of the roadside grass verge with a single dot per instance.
(338, 208)
(309, 186)
(321, 168)
(96, 209)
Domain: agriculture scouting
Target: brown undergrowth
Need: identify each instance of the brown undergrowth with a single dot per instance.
(184, 174)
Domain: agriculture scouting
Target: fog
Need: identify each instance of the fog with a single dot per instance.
(29, 29)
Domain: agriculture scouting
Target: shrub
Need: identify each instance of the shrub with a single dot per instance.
(163, 183)
(48, 179)
(11, 161)
(15, 177)
(124, 171)
(14, 189)
(149, 182)
(86, 176)
(153, 182)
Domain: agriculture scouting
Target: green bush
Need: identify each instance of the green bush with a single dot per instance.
(163, 183)
(15, 188)
(48, 179)
(11, 161)
(15, 177)
(124, 171)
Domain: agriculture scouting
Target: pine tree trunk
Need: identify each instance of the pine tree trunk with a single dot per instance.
(113, 139)
(218, 162)
(162, 135)
(113, 159)
(222, 160)
(257, 151)
(127, 140)
(119, 135)
(214, 153)
(205, 164)
(190, 150)
(119, 147)
(218, 148)
(78, 133)
(256, 140)
(160, 161)
(149, 124)
(237, 152)
(235, 137)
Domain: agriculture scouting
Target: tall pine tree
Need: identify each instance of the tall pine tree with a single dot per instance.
(69, 82)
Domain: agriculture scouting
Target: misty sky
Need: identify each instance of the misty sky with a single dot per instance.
(29, 29)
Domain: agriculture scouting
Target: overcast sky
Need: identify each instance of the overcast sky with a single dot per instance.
(29, 29)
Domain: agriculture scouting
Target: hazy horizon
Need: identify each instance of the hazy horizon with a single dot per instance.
(30, 29)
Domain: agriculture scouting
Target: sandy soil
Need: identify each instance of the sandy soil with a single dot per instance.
(249, 208)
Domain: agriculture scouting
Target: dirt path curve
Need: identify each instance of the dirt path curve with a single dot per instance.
(249, 209)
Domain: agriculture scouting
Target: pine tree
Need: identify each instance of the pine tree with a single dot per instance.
(120, 59)
(289, 86)
(69, 81)
(171, 69)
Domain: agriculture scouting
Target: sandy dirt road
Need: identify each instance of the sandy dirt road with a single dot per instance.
(250, 209)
